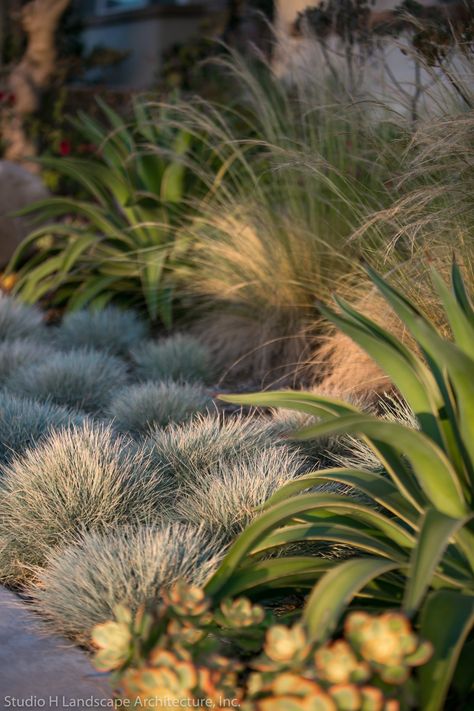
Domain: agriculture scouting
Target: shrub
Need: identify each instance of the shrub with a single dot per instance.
(227, 495)
(83, 583)
(110, 329)
(189, 451)
(122, 242)
(137, 408)
(419, 538)
(24, 423)
(179, 357)
(78, 480)
(18, 320)
(21, 353)
(82, 379)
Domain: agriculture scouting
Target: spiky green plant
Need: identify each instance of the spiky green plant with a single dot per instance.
(110, 329)
(415, 541)
(181, 357)
(82, 479)
(138, 408)
(24, 423)
(81, 379)
(82, 583)
(121, 243)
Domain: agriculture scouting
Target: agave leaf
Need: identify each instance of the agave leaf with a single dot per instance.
(435, 474)
(67, 231)
(332, 532)
(71, 254)
(461, 326)
(333, 593)
(294, 400)
(435, 533)
(151, 272)
(454, 361)
(378, 487)
(297, 507)
(150, 168)
(462, 297)
(406, 371)
(273, 574)
(375, 522)
(82, 171)
(459, 368)
(32, 287)
(89, 290)
(446, 620)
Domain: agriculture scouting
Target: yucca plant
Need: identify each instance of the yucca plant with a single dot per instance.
(121, 242)
(413, 542)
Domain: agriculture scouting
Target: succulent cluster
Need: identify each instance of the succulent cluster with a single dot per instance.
(177, 654)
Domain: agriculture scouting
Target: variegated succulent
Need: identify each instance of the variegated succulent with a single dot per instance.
(186, 652)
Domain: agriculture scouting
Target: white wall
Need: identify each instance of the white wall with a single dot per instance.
(389, 74)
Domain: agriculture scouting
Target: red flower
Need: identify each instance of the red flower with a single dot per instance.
(65, 147)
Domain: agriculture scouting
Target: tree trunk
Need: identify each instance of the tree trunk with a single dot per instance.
(39, 20)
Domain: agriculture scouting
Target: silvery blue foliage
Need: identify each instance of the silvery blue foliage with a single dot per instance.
(190, 450)
(82, 379)
(179, 357)
(81, 479)
(21, 353)
(25, 423)
(18, 320)
(110, 329)
(138, 408)
(82, 583)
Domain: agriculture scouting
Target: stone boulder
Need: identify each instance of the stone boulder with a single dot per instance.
(18, 188)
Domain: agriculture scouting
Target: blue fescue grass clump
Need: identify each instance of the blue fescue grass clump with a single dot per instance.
(111, 329)
(21, 353)
(25, 423)
(138, 408)
(189, 451)
(181, 358)
(18, 320)
(81, 585)
(226, 497)
(76, 480)
(82, 379)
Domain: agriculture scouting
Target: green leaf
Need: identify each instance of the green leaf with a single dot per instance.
(406, 371)
(297, 508)
(461, 325)
(329, 532)
(435, 533)
(89, 290)
(333, 593)
(434, 472)
(274, 574)
(378, 487)
(294, 400)
(446, 620)
(462, 297)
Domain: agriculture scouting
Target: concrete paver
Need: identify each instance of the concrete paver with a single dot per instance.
(41, 671)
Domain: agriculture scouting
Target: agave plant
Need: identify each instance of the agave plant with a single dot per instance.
(415, 540)
(119, 240)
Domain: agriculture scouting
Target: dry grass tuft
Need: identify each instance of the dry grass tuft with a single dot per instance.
(83, 582)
